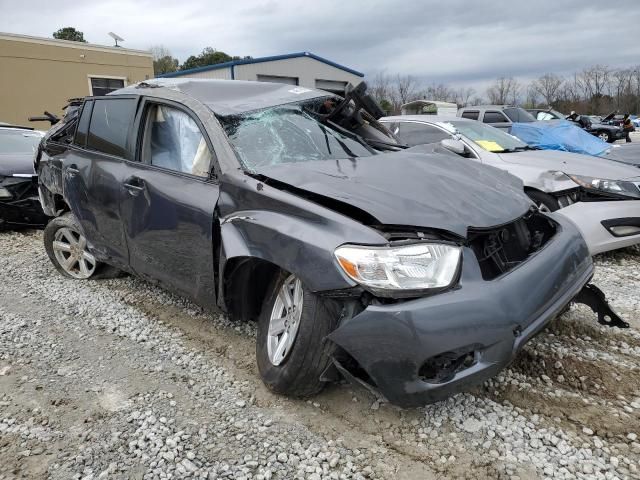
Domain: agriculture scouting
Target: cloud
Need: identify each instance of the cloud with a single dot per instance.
(457, 42)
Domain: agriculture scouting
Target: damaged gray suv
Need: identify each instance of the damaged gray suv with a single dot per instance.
(413, 273)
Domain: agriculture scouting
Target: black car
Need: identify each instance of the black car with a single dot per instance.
(604, 131)
(411, 271)
(19, 204)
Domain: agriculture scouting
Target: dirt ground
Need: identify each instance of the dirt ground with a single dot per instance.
(119, 379)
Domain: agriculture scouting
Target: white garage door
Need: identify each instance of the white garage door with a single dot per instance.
(278, 79)
(333, 86)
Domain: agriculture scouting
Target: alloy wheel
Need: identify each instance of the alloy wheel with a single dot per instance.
(604, 137)
(70, 249)
(285, 320)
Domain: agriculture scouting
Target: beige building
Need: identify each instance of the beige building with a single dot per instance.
(38, 74)
(303, 68)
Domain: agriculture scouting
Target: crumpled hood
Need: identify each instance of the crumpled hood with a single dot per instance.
(409, 188)
(16, 163)
(572, 163)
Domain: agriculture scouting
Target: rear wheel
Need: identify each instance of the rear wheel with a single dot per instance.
(291, 349)
(604, 136)
(67, 249)
(544, 201)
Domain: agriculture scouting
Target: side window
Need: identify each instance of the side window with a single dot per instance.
(413, 134)
(512, 113)
(470, 114)
(173, 140)
(111, 122)
(102, 86)
(80, 137)
(494, 117)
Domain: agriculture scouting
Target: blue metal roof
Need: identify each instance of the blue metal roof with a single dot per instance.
(260, 60)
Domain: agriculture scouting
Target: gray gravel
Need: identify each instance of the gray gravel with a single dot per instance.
(119, 379)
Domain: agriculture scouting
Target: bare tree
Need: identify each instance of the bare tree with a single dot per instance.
(405, 88)
(463, 95)
(380, 87)
(439, 92)
(531, 100)
(503, 90)
(548, 87)
(163, 61)
(595, 83)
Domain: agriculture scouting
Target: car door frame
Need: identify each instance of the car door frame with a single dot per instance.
(209, 296)
(100, 249)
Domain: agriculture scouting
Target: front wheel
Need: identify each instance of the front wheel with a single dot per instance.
(291, 349)
(605, 136)
(67, 249)
(545, 202)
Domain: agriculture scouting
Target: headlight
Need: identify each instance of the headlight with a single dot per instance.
(5, 194)
(616, 187)
(385, 270)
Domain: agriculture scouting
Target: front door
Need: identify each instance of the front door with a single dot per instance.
(168, 199)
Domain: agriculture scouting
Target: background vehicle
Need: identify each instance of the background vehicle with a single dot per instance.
(19, 204)
(601, 197)
(605, 132)
(298, 209)
(429, 107)
(499, 116)
(565, 136)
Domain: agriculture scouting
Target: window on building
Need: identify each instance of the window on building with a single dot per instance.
(111, 122)
(278, 79)
(173, 140)
(413, 134)
(470, 114)
(102, 86)
(494, 117)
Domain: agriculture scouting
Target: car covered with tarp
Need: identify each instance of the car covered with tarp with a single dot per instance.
(563, 135)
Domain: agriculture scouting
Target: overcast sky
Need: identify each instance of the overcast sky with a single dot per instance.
(455, 41)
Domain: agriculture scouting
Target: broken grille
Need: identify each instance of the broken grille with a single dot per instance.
(501, 249)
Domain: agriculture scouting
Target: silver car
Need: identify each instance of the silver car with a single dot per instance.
(601, 197)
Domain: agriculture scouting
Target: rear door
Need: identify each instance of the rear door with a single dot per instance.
(497, 119)
(93, 169)
(168, 198)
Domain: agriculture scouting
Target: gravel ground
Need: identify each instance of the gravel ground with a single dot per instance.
(119, 379)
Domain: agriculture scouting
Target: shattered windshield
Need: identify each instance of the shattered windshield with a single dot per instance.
(288, 134)
(490, 138)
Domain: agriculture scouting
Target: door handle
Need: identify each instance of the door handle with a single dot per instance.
(134, 185)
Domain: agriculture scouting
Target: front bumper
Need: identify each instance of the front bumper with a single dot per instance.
(492, 319)
(589, 218)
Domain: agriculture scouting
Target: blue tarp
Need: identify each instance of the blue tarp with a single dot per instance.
(559, 135)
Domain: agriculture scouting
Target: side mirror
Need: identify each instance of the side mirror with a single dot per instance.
(455, 146)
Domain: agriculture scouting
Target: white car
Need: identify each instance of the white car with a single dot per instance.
(601, 197)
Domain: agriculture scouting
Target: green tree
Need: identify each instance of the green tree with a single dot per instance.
(163, 61)
(69, 33)
(209, 56)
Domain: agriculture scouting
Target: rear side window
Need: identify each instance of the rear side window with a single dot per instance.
(470, 114)
(519, 115)
(80, 137)
(111, 121)
(494, 117)
(413, 134)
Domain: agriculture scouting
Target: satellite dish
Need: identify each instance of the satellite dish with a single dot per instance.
(117, 38)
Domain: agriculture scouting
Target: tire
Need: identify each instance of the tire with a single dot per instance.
(298, 373)
(605, 136)
(64, 231)
(544, 201)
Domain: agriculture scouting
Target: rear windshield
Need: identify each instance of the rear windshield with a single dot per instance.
(287, 134)
(19, 141)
